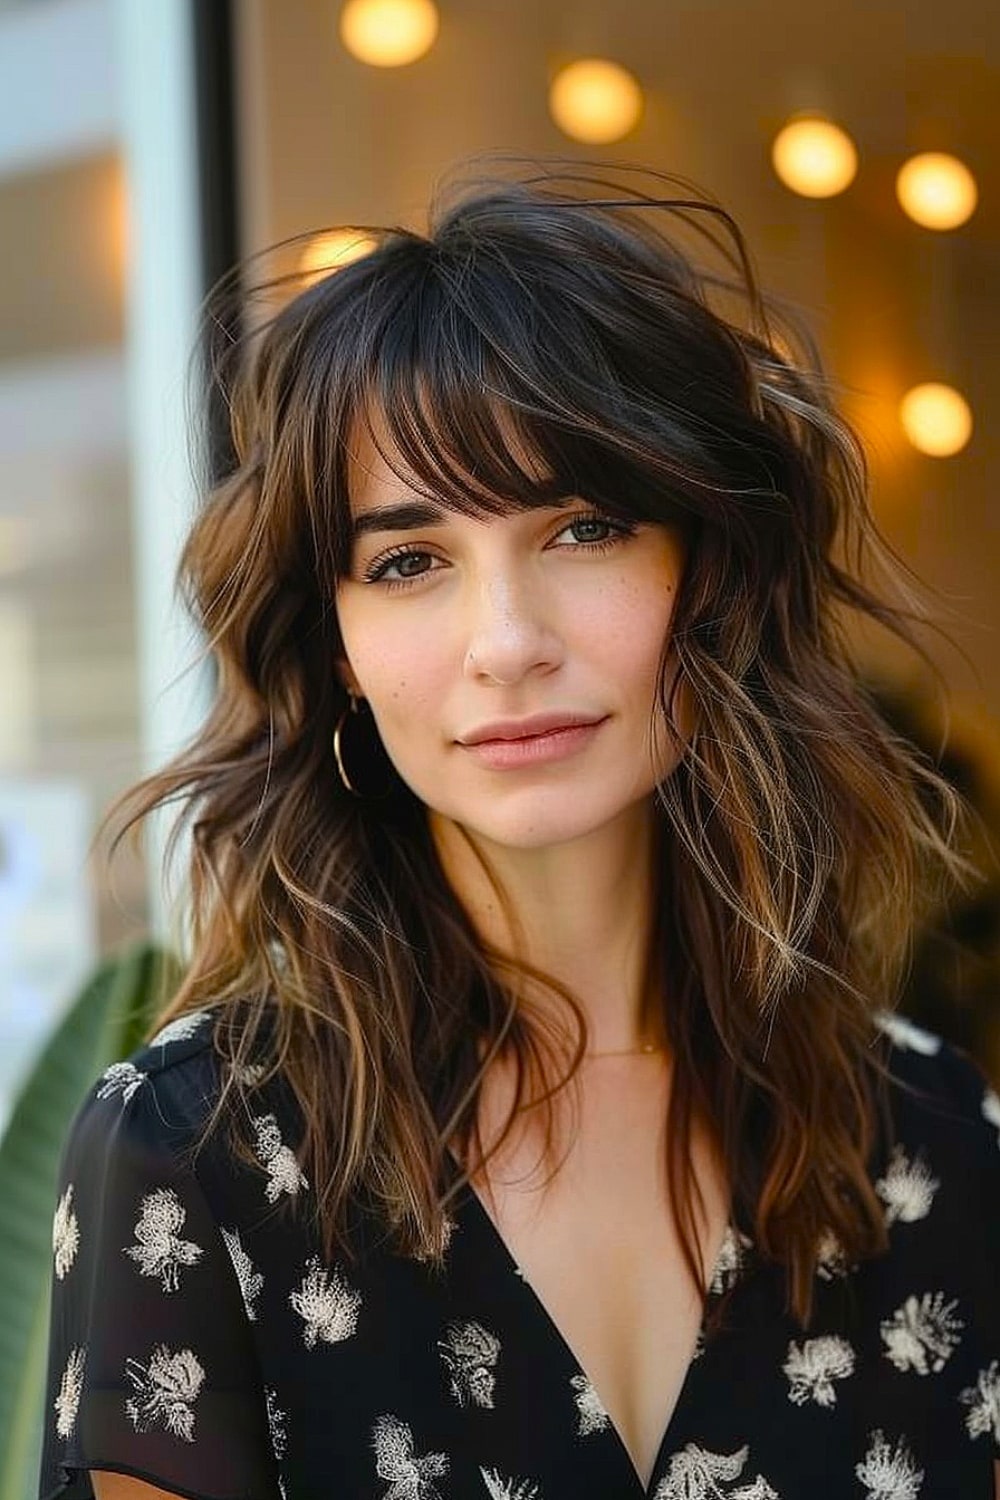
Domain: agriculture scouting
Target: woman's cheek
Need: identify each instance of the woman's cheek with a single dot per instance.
(407, 698)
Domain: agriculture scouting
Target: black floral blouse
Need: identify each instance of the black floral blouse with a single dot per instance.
(200, 1341)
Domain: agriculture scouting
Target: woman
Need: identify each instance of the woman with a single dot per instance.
(530, 1122)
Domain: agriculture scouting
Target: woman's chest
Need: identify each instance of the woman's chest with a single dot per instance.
(599, 1248)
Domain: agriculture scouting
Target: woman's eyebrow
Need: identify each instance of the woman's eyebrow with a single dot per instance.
(407, 516)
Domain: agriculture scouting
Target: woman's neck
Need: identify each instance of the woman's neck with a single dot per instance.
(585, 911)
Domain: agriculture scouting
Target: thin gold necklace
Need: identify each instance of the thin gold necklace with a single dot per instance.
(648, 1050)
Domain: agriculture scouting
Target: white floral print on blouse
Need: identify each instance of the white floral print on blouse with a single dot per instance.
(508, 1489)
(906, 1034)
(697, 1474)
(813, 1367)
(159, 1249)
(276, 1420)
(165, 1391)
(729, 1261)
(592, 1415)
(922, 1333)
(67, 1402)
(983, 1401)
(889, 1471)
(283, 1172)
(470, 1352)
(410, 1477)
(65, 1234)
(907, 1189)
(181, 1028)
(250, 1279)
(326, 1304)
(121, 1078)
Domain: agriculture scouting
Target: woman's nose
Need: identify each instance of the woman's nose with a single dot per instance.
(510, 633)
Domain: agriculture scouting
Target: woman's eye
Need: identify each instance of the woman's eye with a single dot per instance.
(596, 531)
(589, 529)
(405, 564)
(400, 564)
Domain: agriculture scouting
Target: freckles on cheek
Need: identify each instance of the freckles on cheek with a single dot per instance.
(633, 620)
(408, 704)
(404, 693)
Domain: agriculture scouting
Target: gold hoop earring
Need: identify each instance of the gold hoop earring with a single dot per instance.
(366, 793)
(352, 708)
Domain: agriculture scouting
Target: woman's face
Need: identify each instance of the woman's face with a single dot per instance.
(452, 624)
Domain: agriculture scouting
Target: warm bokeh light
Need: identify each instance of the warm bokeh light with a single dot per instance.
(814, 157)
(388, 33)
(937, 190)
(333, 249)
(596, 101)
(936, 419)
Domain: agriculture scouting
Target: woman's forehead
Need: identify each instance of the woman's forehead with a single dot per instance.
(378, 473)
(371, 477)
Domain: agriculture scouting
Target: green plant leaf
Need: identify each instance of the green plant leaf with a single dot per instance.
(106, 1022)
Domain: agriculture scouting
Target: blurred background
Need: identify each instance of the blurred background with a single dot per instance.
(146, 145)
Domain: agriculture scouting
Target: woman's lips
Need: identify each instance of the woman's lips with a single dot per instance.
(534, 749)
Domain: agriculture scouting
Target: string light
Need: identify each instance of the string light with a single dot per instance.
(937, 190)
(936, 419)
(595, 100)
(814, 157)
(388, 33)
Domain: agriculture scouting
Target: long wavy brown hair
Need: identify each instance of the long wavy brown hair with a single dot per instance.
(617, 327)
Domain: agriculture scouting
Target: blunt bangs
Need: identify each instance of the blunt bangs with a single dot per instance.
(530, 350)
(464, 396)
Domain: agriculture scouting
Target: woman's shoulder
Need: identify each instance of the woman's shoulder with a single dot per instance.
(174, 1079)
(938, 1082)
(945, 1131)
(170, 1105)
(185, 1060)
(181, 1051)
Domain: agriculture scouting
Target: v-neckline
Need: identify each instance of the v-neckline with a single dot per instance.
(470, 1198)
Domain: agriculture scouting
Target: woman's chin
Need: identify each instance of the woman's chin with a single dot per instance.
(539, 826)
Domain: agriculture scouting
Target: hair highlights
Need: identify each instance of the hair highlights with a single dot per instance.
(801, 838)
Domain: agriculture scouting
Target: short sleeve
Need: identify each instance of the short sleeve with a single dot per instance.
(152, 1369)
